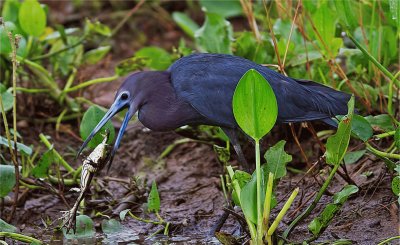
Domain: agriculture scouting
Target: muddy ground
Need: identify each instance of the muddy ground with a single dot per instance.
(191, 195)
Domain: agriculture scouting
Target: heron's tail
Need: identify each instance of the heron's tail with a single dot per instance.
(327, 101)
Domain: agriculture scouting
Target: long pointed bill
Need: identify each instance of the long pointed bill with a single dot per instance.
(117, 106)
(129, 114)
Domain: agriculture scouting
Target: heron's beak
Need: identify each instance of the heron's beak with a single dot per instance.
(116, 107)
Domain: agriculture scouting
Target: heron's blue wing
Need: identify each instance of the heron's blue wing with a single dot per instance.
(208, 81)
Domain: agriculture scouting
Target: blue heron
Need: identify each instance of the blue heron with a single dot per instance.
(198, 90)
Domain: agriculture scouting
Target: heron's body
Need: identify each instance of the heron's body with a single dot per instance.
(198, 89)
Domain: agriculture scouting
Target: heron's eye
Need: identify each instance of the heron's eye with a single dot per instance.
(124, 96)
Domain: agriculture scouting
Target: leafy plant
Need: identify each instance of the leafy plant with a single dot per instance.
(256, 117)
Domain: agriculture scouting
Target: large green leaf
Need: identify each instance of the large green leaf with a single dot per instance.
(254, 105)
(156, 58)
(382, 122)
(32, 17)
(277, 159)
(186, 23)
(10, 10)
(84, 228)
(89, 121)
(153, 201)
(361, 127)
(337, 144)
(7, 179)
(248, 196)
(215, 36)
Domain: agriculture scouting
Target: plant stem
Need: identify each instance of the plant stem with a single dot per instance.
(384, 135)
(236, 187)
(267, 202)
(90, 82)
(283, 211)
(32, 90)
(267, 206)
(50, 146)
(146, 220)
(381, 153)
(259, 204)
(310, 208)
(20, 237)
(14, 40)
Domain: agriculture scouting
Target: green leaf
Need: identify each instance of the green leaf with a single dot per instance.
(6, 98)
(325, 23)
(243, 178)
(89, 121)
(248, 196)
(96, 27)
(347, 13)
(248, 47)
(7, 179)
(361, 127)
(10, 11)
(42, 167)
(69, 59)
(129, 65)
(111, 226)
(382, 122)
(341, 197)
(277, 159)
(396, 185)
(397, 138)
(123, 213)
(84, 228)
(32, 18)
(353, 156)
(337, 144)
(215, 35)
(254, 105)
(185, 23)
(224, 8)
(248, 200)
(153, 201)
(156, 58)
(319, 224)
(26, 150)
(95, 55)
(6, 227)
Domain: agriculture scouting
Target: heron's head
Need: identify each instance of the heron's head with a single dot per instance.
(129, 96)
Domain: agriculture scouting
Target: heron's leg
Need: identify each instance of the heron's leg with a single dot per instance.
(220, 222)
(232, 135)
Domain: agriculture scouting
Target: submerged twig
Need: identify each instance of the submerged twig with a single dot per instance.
(91, 165)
